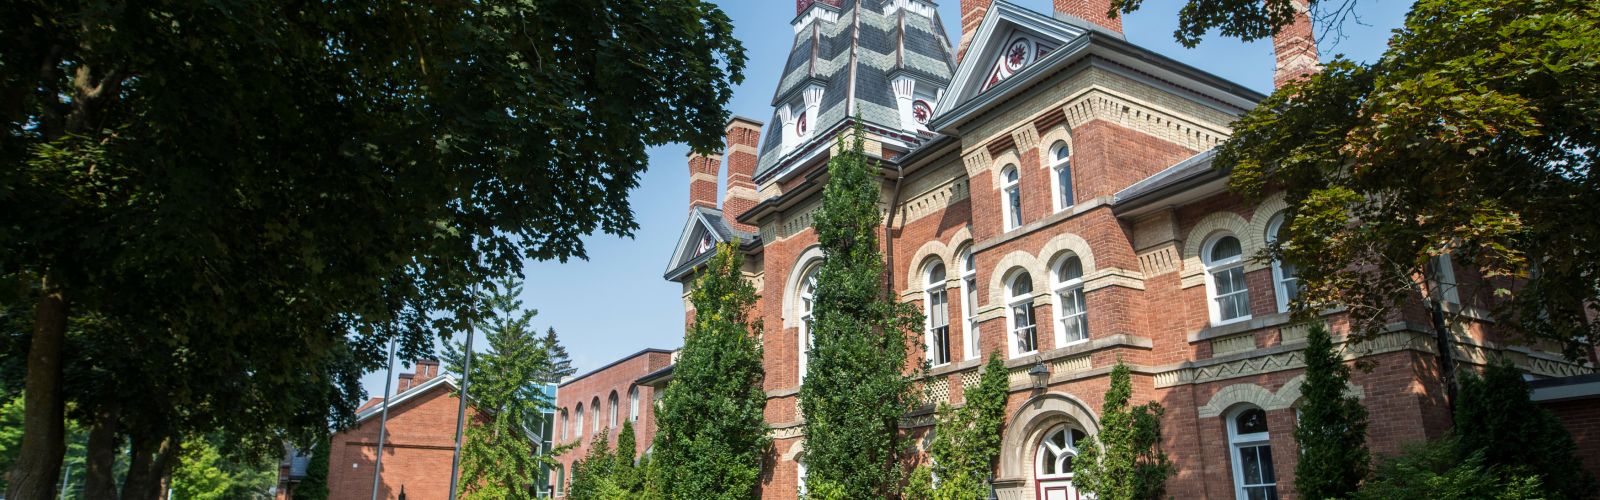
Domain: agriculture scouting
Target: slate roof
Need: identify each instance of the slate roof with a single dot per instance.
(683, 260)
(822, 53)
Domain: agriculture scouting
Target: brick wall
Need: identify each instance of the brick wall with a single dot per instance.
(598, 385)
(417, 452)
(1582, 419)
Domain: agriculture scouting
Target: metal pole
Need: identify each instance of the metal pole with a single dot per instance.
(461, 407)
(383, 422)
(66, 473)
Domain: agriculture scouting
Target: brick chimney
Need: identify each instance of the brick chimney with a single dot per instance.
(743, 134)
(972, 12)
(703, 179)
(405, 382)
(1295, 48)
(427, 369)
(1093, 11)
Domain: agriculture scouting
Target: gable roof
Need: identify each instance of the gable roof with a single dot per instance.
(999, 27)
(704, 223)
(447, 380)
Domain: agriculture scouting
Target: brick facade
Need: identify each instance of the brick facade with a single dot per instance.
(599, 386)
(1145, 284)
(418, 448)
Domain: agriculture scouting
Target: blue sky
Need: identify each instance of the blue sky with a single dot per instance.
(616, 303)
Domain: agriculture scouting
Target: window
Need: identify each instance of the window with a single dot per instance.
(1011, 195)
(1053, 461)
(1442, 279)
(1072, 316)
(1253, 477)
(808, 295)
(1230, 297)
(936, 306)
(594, 408)
(1061, 166)
(577, 432)
(566, 428)
(1024, 334)
(969, 301)
(633, 404)
(800, 476)
(612, 402)
(1285, 278)
(561, 479)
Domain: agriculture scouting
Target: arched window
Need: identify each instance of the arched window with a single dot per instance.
(633, 404)
(936, 307)
(808, 297)
(612, 403)
(1072, 315)
(1253, 477)
(969, 301)
(1230, 297)
(577, 430)
(594, 408)
(1011, 197)
(566, 427)
(1061, 182)
(1053, 461)
(800, 476)
(561, 480)
(1024, 333)
(1285, 278)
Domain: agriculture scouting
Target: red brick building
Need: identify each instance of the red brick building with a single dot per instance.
(604, 399)
(418, 447)
(1049, 197)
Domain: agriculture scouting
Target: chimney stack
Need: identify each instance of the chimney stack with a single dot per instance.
(743, 134)
(427, 369)
(703, 180)
(972, 12)
(1093, 11)
(406, 381)
(1295, 48)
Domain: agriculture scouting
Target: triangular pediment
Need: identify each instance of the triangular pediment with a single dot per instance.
(701, 234)
(1009, 42)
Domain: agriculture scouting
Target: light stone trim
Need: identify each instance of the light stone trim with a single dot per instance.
(1081, 362)
(1194, 267)
(1026, 137)
(1113, 276)
(791, 291)
(795, 430)
(1057, 132)
(702, 176)
(935, 201)
(976, 161)
(1252, 394)
(946, 253)
(1160, 261)
(794, 222)
(1028, 425)
(970, 380)
(936, 391)
(1232, 344)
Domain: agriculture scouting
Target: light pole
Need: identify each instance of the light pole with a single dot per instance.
(461, 408)
(383, 422)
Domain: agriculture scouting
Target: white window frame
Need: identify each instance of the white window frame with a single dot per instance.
(566, 426)
(1068, 290)
(934, 287)
(595, 410)
(1238, 442)
(633, 404)
(1064, 455)
(561, 480)
(1216, 267)
(969, 303)
(800, 476)
(1011, 196)
(612, 402)
(577, 432)
(1282, 281)
(1444, 281)
(1061, 193)
(806, 295)
(1013, 301)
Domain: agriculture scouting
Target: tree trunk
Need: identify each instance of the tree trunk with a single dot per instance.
(38, 468)
(100, 479)
(152, 457)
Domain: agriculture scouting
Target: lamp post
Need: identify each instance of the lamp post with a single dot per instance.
(992, 494)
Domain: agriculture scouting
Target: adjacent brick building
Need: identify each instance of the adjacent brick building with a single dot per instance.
(1049, 197)
(604, 399)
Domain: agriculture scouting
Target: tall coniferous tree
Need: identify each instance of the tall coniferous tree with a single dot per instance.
(966, 443)
(711, 428)
(1125, 461)
(1332, 428)
(856, 389)
(498, 458)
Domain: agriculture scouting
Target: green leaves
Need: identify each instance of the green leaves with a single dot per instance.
(855, 390)
(1124, 461)
(966, 440)
(1331, 430)
(711, 430)
(1474, 135)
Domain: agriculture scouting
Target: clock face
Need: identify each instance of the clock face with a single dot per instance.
(922, 111)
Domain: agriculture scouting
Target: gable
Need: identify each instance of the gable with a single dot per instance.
(1009, 42)
(701, 234)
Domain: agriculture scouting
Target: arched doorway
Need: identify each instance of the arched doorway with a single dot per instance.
(1052, 470)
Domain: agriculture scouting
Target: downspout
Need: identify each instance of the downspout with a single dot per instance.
(888, 228)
